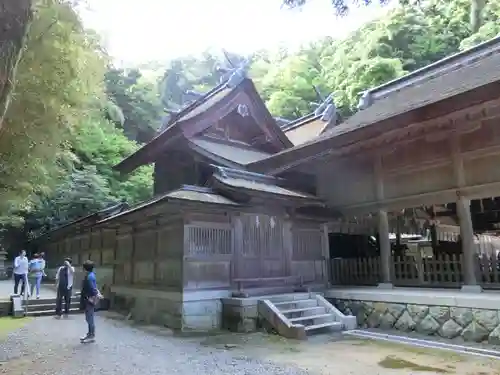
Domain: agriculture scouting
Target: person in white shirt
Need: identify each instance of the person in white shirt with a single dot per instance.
(42, 257)
(64, 283)
(21, 272)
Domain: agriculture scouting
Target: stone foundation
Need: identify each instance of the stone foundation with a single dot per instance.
(176, 310)
(471, 324)
(5, 308)
(240, 314)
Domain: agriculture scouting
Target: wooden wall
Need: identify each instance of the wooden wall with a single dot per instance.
(208, 251)
(198, 251)
(308, 259)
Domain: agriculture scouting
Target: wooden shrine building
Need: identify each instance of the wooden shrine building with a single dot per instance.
(213, 228)
(428, 139)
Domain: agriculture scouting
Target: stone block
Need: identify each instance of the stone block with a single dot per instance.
(440, 313)
(373, 320)
(5, 308)
(405, 322)
(475, 332)
(450, 329)
(417, 312)
(247, 325)
(462, 315)
(380, 307)
(494, 336)
(387, 321)
(396, 309)
(428, 326)
(200, 322)
(486, 318)
(210, 307)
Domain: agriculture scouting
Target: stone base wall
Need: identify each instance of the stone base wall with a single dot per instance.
(470, 324)
(240, 315)
(5, 308)
(170, 309)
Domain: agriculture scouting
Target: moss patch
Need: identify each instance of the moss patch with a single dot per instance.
(395, 363)
(8, 325)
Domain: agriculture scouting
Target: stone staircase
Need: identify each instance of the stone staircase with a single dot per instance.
(47, 306)
(297, 315)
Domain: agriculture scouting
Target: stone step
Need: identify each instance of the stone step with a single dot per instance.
(313, 319)
(73, 310)
(302, 312)
(288, 297)
(49, 306)
(331, 325)
(45, 301)
(298, 304)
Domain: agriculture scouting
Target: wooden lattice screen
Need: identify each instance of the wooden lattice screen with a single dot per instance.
(205, 240)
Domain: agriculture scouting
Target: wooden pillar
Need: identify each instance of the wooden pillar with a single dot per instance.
(463, 212)
(385, 250)
(326, 256)
(156, 253)
(468, 247)
(132, 258)
(115, 251)
(383, 228)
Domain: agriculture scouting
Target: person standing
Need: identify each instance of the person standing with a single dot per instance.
(21, 266)
(36, 270)
(89, 298)
(64, 283)
(42, 257)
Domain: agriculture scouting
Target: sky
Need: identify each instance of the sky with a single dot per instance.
(137, 32)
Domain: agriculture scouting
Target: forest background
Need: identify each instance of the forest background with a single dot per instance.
(71, 114)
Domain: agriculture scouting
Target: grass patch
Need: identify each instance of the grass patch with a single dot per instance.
(395, 363)
(8, 325)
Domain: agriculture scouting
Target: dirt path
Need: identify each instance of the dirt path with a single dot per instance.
(50, 347)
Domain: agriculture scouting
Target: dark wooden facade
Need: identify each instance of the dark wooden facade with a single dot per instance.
(212, 224)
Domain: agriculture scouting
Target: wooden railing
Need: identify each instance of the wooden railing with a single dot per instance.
(439, 271)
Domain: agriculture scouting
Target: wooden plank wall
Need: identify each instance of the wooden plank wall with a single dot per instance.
(197, 251)
(208, 251)
(143, 255)
(307, 257)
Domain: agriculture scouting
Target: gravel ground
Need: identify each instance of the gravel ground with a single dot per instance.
(50, 347)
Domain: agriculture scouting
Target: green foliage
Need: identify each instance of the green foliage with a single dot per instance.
(57, 147)
(98, 143)
(56, 77)
(407, 38)
(134, 104)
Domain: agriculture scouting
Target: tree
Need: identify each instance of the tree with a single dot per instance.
(134, 103)
(82, 192)
(58, 78)
(97, 143)
(341, 8)
(15, 18)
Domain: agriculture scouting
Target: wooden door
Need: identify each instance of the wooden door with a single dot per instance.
(262, 251)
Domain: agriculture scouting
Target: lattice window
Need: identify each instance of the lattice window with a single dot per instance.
(208, 240)
(307, 244)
